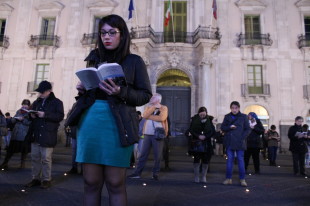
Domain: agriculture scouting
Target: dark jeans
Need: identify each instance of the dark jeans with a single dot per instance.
(230, 160)
(272, 153)
(254, 152)
(299, 162)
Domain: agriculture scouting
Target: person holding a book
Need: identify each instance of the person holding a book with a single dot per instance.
(17, 142)
(298, 146)
(48, 112)
(108, 126)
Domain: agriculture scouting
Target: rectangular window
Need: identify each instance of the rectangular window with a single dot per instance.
(255, 79)
(307, 29)
(2, 30)
(179, 10)
(47, 31)
(42, 72)
(252, 29)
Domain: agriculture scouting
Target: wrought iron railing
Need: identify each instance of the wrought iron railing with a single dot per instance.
(303, 41)
(44, 40)
(89, 39)
(4, 41)
(184, 37)
(255, 39)
(248, 90)
(306, 89)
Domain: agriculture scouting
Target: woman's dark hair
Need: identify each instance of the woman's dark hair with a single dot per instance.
(26, 102)
(124, 46)
(298, 118)
(273, 127)
(202, 109)
(235, 103)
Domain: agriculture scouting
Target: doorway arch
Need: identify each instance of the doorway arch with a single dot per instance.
(261, 112)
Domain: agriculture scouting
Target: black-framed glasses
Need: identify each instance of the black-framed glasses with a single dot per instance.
(111, 33)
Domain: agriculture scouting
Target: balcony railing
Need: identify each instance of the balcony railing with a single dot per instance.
(260, 39)
(303, 41)
(183, 37)
(4, 41)
(247, 90)
(306, 89)
(44, 40)
(32, 86)
(89, 39)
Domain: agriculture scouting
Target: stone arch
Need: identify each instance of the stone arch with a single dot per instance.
(260, 110)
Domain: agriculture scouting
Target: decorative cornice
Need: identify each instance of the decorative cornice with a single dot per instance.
(50, 6)
(103, 7)
(6, 7)
(303, 5)
(250, 5)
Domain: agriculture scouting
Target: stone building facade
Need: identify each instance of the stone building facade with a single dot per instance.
(256, 52)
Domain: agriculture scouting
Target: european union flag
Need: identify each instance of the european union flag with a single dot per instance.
(130, 9)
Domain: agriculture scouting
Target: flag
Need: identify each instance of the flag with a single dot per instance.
(214, 8)
(130, 9)
(168, 14)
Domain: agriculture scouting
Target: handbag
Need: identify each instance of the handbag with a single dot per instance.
(197, 146)
(159, 132)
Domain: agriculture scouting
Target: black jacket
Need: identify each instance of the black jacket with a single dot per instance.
(297, 145)
(255, 137)
(44, 130)
(123, 106)
(235, 138)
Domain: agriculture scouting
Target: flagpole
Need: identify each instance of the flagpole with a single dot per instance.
(211, 21)
(137, 23)
(172, 22)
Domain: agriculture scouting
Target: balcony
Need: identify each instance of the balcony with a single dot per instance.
(44, 40)
(182, 37)
(89, 39)
(4, 41)
(306, 89)
(248, 91)
(303, 41)
(261, 39)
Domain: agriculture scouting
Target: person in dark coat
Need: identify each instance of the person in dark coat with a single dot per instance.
(49, 113)
(273, 140)
(10, 126)
(297, 146)
(236, 128)
(254, 141)
(201, 130)
(3, 128)
(17, 142)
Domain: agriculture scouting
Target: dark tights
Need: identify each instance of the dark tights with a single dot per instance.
(95, 176)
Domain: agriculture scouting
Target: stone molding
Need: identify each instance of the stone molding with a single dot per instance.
(50, 8)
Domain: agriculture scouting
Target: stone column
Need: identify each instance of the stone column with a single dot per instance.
(205, 88)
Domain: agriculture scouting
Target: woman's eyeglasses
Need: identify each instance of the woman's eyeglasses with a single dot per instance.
(111, 33)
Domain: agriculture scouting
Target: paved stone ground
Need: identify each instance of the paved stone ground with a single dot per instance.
(275, 186)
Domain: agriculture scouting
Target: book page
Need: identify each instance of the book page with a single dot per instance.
(88, 77)
(113, 71)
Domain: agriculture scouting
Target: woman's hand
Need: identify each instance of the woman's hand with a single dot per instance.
(202, 137)
(110, 88)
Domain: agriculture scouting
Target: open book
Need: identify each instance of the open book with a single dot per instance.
(91, 77)
(30, 111)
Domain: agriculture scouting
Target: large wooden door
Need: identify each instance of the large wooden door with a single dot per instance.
(178, 101)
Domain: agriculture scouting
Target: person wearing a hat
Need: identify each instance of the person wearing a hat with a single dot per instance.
(46, 119)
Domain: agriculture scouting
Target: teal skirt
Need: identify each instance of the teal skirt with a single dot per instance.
(98, 138)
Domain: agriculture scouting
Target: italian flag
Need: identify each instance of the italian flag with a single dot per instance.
(168, 14)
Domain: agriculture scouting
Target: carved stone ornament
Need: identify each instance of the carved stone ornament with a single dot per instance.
(174, 58)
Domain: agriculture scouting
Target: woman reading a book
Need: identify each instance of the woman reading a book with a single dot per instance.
(109, 127)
